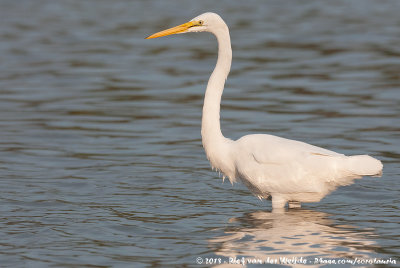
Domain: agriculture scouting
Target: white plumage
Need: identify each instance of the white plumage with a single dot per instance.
(270, 166)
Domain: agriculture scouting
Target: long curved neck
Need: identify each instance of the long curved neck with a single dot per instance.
(213, 140)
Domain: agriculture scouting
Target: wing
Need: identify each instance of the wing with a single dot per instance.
(288, 166)
(271, 149)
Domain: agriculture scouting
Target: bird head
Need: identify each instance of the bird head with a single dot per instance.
(207, 22)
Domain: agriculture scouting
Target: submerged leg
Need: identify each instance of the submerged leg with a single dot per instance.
(278, 203)
(294, 204)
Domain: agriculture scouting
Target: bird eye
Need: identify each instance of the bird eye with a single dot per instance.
(201, 22)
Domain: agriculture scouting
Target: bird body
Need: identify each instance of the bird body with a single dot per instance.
(305, 173)
(271, 167)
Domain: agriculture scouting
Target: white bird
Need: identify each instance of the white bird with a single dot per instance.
(271, 167)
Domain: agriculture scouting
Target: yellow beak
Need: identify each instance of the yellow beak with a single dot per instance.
(175, 30)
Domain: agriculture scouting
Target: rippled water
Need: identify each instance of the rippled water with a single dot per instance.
(100, 153)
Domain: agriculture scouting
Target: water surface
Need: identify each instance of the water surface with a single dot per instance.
(100, 153)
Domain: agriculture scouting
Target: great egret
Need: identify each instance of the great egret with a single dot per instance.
(271, 167)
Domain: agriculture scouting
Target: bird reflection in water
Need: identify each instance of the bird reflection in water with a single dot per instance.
(297, 235)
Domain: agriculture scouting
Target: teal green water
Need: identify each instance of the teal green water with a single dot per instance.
(101, 162)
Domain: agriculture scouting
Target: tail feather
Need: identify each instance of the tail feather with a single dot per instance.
(364, 165)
